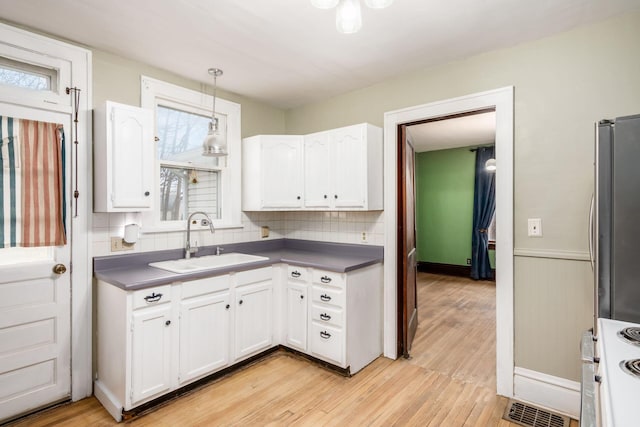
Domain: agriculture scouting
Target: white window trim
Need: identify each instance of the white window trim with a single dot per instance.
(152, 91)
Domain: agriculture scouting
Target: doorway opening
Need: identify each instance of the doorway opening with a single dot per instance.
(397, 252)
(446, 194)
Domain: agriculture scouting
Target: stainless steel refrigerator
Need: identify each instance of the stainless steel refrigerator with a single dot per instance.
(616, 219)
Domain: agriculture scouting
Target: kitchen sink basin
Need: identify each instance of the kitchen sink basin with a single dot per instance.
(209, 262)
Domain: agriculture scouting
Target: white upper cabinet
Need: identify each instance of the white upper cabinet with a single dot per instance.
(346, 167)
(339, 169)
(124, 151)
(317, 186)
(272, 172)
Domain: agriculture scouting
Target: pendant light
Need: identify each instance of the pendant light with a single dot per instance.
(215, 144)
(348, 17)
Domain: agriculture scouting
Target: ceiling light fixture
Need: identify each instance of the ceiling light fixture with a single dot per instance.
(324, 4)
(215, 144)
(348, 16)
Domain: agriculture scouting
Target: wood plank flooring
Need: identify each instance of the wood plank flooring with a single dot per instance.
(449, 381)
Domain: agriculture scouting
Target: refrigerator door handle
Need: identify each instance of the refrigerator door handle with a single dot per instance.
(591, 232)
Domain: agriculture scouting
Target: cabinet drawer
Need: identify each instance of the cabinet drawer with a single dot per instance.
(297, 273)
(208, 285)
(327, 315)
(327, 343)
(328, 278)
(151, 296)
(326, 295)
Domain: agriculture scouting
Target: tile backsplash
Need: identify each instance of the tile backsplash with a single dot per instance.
(342, 227)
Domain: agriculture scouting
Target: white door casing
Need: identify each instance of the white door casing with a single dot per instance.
(502, 100)
(45, 353)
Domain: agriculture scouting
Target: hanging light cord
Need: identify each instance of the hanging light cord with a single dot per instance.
(76, 108)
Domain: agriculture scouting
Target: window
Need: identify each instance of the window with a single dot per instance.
(188, 181)
(27, 76)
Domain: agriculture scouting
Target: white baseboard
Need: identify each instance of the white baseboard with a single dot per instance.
(553, 393)
(107, 399)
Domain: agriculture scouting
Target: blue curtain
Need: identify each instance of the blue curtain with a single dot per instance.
(484, 206)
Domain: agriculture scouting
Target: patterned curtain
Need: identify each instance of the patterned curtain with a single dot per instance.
(32, 205)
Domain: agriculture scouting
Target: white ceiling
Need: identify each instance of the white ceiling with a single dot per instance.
(466, 131)
(288, 53)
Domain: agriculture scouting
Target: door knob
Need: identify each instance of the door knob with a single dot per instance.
(59, 269)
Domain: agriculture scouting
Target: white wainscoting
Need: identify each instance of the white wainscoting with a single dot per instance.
(553, 393)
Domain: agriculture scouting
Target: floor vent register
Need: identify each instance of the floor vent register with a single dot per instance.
(531, 416)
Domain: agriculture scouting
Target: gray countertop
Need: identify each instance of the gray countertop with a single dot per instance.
(132, 271)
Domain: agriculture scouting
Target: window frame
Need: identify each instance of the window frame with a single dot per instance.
(156, 92)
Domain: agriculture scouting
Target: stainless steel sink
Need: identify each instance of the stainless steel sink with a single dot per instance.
(209, 262)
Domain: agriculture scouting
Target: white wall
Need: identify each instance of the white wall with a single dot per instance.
(563, 85)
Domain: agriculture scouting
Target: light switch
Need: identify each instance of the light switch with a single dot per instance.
(534, 228)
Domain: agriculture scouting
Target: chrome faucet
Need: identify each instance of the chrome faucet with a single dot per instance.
(187, 247)
(219, 250)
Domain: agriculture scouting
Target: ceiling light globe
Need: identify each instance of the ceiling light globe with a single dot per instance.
(324, 4)
(490, 165)
(348, 17)
(378, 4)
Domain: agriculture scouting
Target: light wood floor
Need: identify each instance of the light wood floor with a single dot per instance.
(449, 381)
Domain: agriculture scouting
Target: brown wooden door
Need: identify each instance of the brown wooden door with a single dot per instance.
(408, 304)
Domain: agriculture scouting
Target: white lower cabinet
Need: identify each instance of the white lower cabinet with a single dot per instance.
(296, 308)
(254, 308)
(341, 320)
(204, 335)
(151, 352)
(156, 340)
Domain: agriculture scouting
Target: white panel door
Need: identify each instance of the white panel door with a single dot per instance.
(133, 153)
(348, 167)
(317, 186)
(151, 352)
(204, 335)
(282, 184)
(253, 324)
(35, 311)
(297, 316)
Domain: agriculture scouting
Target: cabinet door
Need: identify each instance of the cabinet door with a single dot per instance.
(282, 181)
(253, 324)
(348, 167)
(151, 352)
(317, 189)
(297, 316)
(133, 153)
(204, 335)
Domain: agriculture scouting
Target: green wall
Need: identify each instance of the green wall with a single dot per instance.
(444, 205)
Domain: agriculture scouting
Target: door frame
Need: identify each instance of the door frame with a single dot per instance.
(80, 269)
(502, 100)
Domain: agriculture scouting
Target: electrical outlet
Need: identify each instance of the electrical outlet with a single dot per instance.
(534, 227)
(118, 244)
(468, 261)
(364, 238)
(265, 231)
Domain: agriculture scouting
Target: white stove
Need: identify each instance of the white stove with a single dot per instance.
(618, 349)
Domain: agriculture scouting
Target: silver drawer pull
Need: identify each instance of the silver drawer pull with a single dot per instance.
(325, 279)
(325, 335)
(153, 297)
(325, 297)
(325, 317)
